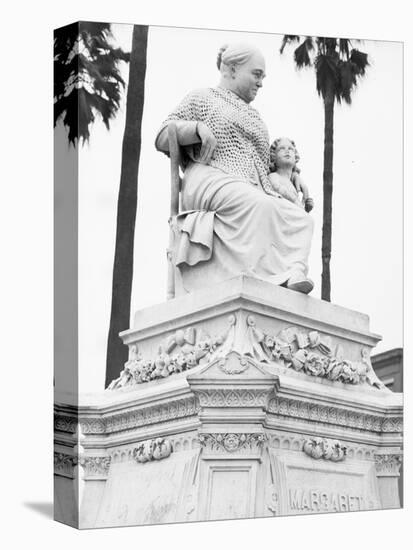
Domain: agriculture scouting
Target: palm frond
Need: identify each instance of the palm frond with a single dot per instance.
(326, 73)
(360, 61)
(302, 54)
(346, 82)
(87, 79)
(288, 39)
(344, 45)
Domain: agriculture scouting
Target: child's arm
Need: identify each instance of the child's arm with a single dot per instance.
(303, 188)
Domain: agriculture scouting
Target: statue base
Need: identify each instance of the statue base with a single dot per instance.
(243, 400)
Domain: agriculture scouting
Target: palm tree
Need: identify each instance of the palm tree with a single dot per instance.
(338, 68)
(87, 80)
(127, 203)
(88, 83)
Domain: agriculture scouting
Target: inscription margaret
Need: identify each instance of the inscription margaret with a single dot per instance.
(308, 500)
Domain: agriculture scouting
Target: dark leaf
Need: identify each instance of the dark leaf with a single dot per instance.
(344, 45)
(288, 39)
(360, 61)
(327, 77)
(87, 81)
(302, 53)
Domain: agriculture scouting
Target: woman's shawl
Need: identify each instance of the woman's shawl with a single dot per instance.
(242, 137)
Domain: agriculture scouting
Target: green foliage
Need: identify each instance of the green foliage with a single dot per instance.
(338, 66)
(87, 81)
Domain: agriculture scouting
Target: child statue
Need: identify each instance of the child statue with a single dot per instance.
(285, 175)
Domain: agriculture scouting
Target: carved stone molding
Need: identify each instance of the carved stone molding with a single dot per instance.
(308, 352)
(129, 420)
(305, 410)
(63, 464)
(177, 444)
(184, 442)
(311, 353)
(152, 449)
(232, 397)
(294, 442)
(93, 466)
(232, 442)
(151, 415)
(328, 449)
(388, 463)
(68, 424)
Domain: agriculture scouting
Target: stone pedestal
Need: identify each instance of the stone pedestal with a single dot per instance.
(244, 400)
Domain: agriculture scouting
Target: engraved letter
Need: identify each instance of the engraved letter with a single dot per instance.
(334, 503)
(324, 501)
(305, 505)
(315, 501)
(294, 500)
(343, 503)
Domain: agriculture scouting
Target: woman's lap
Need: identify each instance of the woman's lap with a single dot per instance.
(254, 232)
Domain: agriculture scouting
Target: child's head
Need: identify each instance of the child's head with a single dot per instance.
(283, 152)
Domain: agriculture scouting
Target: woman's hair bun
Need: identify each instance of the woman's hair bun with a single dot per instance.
(219, 56)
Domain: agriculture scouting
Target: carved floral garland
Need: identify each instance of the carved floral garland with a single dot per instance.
(292, 348)
(189, 355)
(307, 353)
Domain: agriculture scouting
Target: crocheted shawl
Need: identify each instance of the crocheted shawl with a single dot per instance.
(242, 137)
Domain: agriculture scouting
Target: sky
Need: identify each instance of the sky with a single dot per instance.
(367, 250)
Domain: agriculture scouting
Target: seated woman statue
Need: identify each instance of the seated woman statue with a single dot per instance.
(233, 222)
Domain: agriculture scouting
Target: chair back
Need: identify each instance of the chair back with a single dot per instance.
(175, 156)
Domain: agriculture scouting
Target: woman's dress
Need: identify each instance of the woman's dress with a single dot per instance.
(232, 220)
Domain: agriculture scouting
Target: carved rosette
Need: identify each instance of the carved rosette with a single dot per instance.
(388, 463)
(232, 442)
(328, 449)
(152, 449)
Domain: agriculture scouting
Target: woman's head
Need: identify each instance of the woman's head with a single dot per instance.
(283, 153)
(242, 68)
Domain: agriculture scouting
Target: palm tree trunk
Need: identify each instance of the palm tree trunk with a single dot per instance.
(117, 352)
(327, 195)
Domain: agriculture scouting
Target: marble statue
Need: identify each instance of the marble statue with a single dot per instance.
(285, 175)
(233, 221)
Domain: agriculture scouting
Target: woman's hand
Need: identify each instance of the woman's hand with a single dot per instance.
(208, 141)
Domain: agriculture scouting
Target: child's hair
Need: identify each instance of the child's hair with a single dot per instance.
(273, 148)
